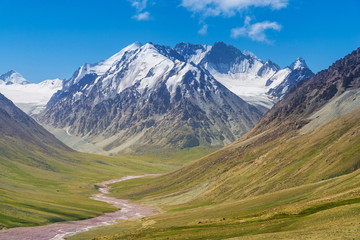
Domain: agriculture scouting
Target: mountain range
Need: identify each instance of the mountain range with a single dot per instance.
(254, 80)
(153, 96)
(295, 175)
(29, 97)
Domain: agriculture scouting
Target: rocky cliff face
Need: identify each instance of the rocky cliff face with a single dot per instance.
(149, 96)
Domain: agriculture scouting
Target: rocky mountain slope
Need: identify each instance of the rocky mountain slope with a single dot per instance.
(149, 96)
(256, 81)
(308, 97)
(15, 124)
(29, 97)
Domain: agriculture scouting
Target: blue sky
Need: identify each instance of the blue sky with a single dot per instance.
(49, 39)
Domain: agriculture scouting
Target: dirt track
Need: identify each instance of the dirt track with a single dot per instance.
(58, 231)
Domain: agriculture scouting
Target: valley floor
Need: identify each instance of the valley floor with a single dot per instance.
(59, 231)
(280, 215)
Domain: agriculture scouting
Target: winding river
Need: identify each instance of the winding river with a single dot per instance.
(61, 230)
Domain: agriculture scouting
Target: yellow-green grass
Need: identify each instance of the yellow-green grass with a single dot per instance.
(231, 174)
(174, 158)
(337, 223)
(39, 188)
(279, 212)
(254, 187)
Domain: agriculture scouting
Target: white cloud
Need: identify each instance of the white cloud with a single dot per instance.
(203, 30)
(255, 31)
(142, 16)
(228, 8)
(140, 5)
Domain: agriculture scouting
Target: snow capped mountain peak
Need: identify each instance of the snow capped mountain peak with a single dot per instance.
(119, 55)
(299, 64)
(224, 54)
(100, 68)
(144, 67)
(12, 77)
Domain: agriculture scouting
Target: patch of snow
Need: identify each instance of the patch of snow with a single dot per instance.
(199, 55)
(279, 77)
(33, 97)
(77, 96)
(181, 69)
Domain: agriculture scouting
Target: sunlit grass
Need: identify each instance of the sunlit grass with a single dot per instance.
(272, 190)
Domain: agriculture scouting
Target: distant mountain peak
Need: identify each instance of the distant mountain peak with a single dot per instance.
(224, 54)
(12, 77)
(299, 63)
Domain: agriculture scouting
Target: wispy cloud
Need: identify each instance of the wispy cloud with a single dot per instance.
(140, 6)
(255, 31)
(144, 16)
(228, 8)
(203, 30)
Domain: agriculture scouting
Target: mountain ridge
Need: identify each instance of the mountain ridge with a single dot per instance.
(257, 81)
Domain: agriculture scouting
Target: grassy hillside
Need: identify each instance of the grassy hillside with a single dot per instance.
(38, 188)
(245, 169)
(280, 185)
